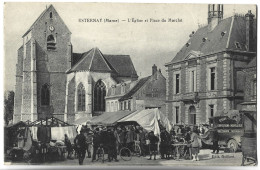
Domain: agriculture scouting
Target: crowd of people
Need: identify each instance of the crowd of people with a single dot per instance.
(112, 139)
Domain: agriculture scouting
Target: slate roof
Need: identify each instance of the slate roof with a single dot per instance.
(139, 84)
(234, 29)
(76, 57)
(122, 64)
(94, 60)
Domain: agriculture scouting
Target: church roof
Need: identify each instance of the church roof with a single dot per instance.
(122, 64)
(94, 60)
(225, 36)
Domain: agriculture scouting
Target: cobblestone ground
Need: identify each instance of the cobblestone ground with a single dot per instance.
(205, 156)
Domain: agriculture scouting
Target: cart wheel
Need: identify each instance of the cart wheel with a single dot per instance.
(232, 144)
(137, 150)
(125, 154)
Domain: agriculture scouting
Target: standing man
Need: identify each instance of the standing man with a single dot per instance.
(130, 138)
(153, 145)
(89, 141)
(80, 142)
(142, 142)
(116, 134)
(164, 143)
(215, 138)
(111, 145)
(96, 143)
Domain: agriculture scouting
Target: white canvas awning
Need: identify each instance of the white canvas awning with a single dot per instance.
(148, 119)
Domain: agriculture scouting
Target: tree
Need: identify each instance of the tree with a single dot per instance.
(8, 106)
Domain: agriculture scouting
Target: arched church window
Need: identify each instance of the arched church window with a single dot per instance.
(51, 43)
(45, 95)
(99, 96)
(81, 97)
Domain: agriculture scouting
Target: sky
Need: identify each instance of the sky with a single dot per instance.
(147, 43)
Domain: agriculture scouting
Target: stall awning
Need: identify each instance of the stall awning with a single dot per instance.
(82, 120)
(109, 118)
(148, 119)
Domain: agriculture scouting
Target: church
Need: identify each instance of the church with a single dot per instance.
(52, 80)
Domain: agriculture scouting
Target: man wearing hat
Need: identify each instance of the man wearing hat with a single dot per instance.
(165, 138)
(96, 142)
(215, 138)
(142, 141)
(80, 142)
(89, 140)
(153, 145)
(111, 145)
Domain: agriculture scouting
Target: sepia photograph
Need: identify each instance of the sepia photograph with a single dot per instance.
(129, 84)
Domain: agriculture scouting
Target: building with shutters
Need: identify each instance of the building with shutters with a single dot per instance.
(206, 75)
(145, 93)
(52, 80)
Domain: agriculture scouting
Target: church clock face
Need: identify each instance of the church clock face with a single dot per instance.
(51, 28)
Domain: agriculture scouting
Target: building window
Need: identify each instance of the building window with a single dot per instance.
(177, 114)
(238, 45)
(112, 107)
(211, 112)
(45, 95)
(177, 86)
(121, 105)
(51, 43)
(81, 97)
(50, 15)
(107, 105)
(193, 81)
(123, 88)
(113, 90)
(129, 104)
(212, 78)
(125, 105)
(211, 108)
(192, 119)
(254, 90)
(99, 96)
(115, 106)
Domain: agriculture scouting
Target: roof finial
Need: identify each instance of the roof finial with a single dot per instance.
(234, 11)
(198, 23)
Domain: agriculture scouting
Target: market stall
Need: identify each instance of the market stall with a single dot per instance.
(149, 119)
(18, 141)
(49, 134)
(109, 118)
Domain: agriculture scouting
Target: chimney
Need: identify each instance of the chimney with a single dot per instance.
(154, 69)
(215, 15)
(249, 31)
